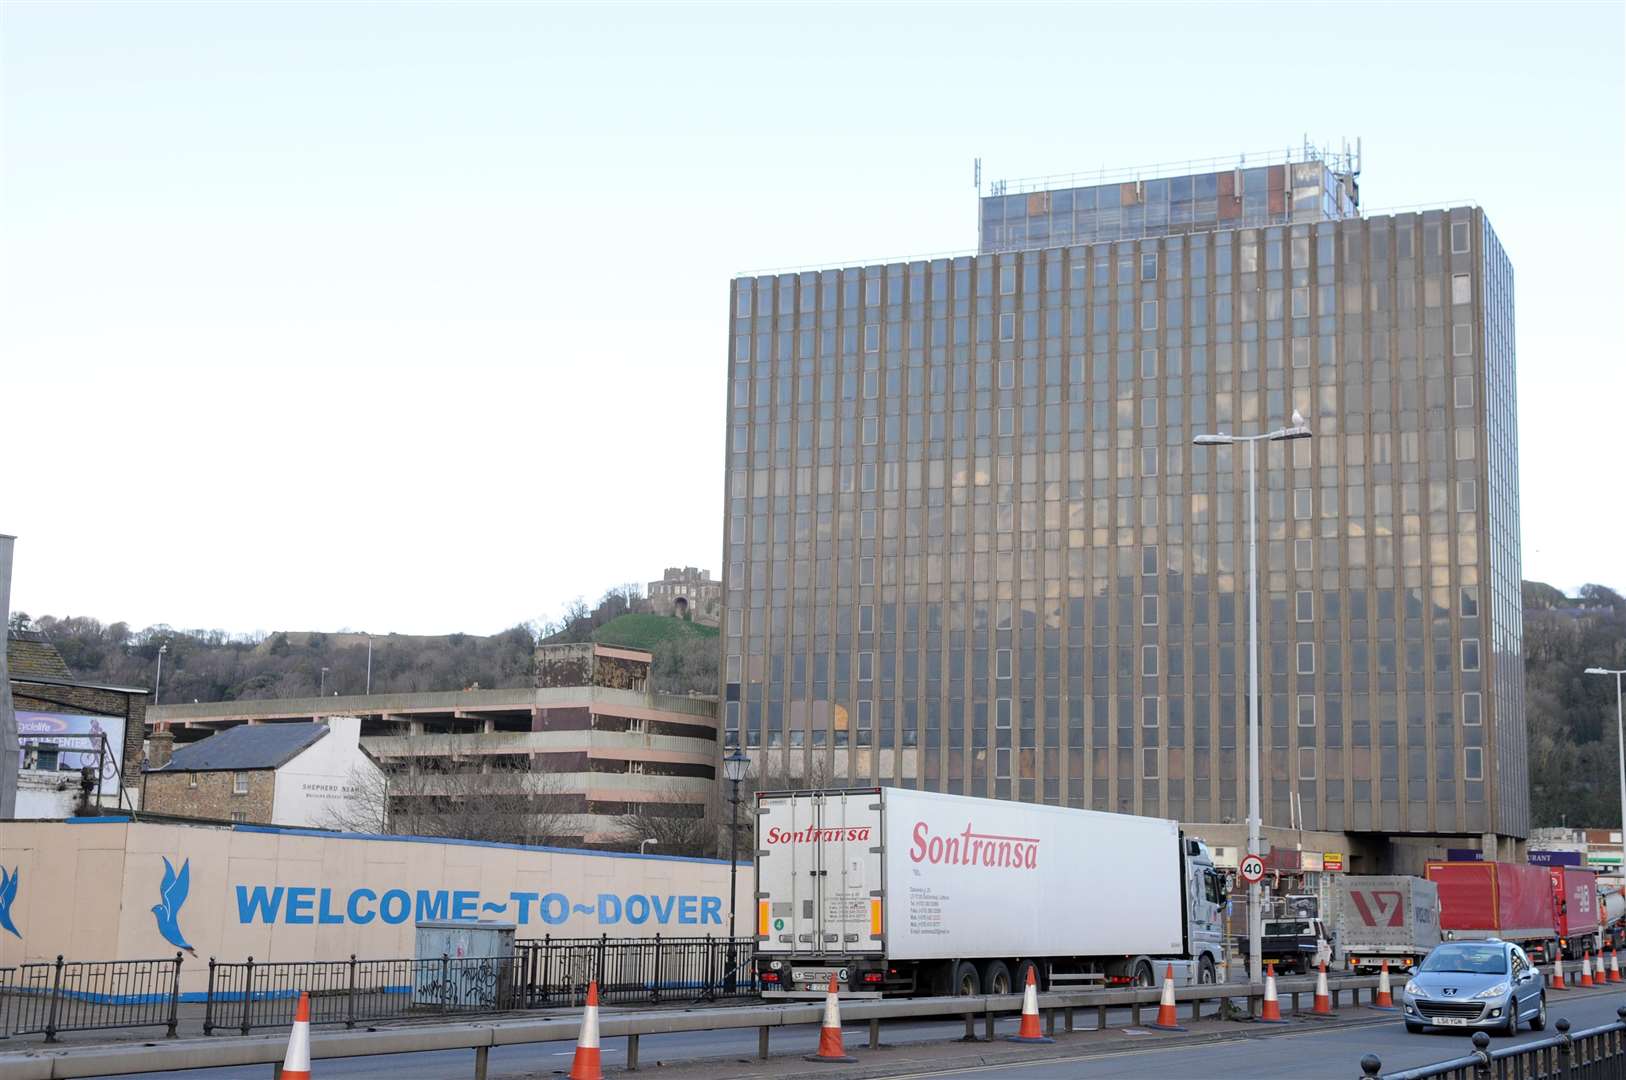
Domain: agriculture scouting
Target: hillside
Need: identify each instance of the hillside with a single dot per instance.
(647, 631)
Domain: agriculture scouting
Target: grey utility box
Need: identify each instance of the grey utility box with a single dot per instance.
(464, 965)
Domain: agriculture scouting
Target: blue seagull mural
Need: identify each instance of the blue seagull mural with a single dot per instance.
(8, 894)
(172, 894)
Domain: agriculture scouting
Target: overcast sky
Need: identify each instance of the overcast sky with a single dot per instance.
(413, 318)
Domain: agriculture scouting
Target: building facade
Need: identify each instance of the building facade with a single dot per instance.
(687, 592)
(970, 546)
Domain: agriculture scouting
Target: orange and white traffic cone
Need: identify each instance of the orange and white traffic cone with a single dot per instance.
(830, 1031)
(1558, 973)
(1030, 1032)
(1614, 967)
(1270, 1010)
(1385, 999)
(296, 1064)
(585, 1065)
(1323, 998)
(1167, 1018)
(1586, 968)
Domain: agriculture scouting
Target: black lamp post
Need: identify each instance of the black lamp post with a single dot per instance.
(735, 766)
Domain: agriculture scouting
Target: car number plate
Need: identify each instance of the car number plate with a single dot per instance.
(1452, 1021)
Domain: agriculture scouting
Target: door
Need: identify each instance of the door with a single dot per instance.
(819, 863)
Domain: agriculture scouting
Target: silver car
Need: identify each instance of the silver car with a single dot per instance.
(1475, 984)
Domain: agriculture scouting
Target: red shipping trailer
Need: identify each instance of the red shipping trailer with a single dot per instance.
(1511, 901)
(1575, 909)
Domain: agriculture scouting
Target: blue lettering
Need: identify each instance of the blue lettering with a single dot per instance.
(523, 900)
(663, 912)
(638, 909)
(357, 916)
(609, 909)
(686, 910)
(258, 903)
(431, 905)
(402, 904)
(463, 903)
(554, 908)
(325, 913)
(301, 899)
(711, 909)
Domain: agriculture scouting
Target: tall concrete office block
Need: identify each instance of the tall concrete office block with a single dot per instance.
(970, 546)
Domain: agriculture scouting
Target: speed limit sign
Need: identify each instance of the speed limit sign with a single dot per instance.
(1253, 869)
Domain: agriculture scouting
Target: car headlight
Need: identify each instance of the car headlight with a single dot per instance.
(1496, 991)
(1414, 990)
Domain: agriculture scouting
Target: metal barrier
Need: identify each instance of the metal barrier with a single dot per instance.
(1594, 1054)
(89, 995)
(556, 971)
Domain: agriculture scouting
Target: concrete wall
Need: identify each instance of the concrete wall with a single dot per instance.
(87, 890)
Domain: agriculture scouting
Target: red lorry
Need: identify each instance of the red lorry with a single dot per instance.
(1511, 901)
(1575, 910)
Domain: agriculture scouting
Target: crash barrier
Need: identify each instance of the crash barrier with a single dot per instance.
(1594, 1054)
(480, 1036)
(88, 995)
(240, 997)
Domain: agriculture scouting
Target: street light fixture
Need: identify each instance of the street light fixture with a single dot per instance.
(735, 766)
(158, 682)
(321, 688)
(1298, 430)
(643, 844)
(1620, 730)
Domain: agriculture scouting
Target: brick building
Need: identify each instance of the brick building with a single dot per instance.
(688, 592)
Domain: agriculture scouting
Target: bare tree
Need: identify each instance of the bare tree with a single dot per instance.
(464, 798)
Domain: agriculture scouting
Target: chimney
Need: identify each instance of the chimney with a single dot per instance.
(160, 748)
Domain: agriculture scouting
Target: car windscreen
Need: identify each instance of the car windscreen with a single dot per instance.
(1469, 959)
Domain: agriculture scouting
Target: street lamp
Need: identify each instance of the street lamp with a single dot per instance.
(321, 688)
(158, 682)
(643, 844)
(1620, 730)
(735, 766)
(369, 663)
(1296, 431)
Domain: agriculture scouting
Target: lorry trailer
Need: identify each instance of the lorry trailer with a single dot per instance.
(1385, 917)
(1511, 901)
(894, 891)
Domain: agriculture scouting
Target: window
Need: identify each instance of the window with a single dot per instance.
(1470, 654)
(1304, 605)
(1472, 714)
(1148, 561)
(1002, 764)
(1148, 763)
(1002, 712)
(1301, 303)
(1148, 611)
(1306, 658)
(1473, 763)
(1462, 391)
(1148, 266)
(1148, 315)
(1002, 663)
(1306, 703)
(1007, 327)
(239, 816)
(1148, 712)
(191, 779)
(1304, 554)
(1007, 280)
(239, 783)
(1148, 659)
(866, 619)
(866, 666)
(1459, 238)
(1470, 602)
(872, 430)
(872, 338)
(872, 292)
(1306, 763)
(1462, 340)
(1461, 289)
(1301, 504)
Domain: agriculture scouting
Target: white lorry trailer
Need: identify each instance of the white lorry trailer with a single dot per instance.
(895, 891)
(1377, 918)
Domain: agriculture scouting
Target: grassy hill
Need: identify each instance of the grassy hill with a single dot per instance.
(647, 631)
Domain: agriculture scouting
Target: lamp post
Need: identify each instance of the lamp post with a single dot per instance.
(734, 769)
(369, 663)
(1620, 730)
(321, 688)
(1296, 431)
(158, 682)
(643, 845)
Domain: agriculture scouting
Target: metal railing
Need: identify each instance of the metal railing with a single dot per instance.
(1594, 1054)
(89, 995)
(556, 971)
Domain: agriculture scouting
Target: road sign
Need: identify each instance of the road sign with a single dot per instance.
(1253, 869)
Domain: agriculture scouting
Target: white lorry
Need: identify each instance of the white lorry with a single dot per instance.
(895, 891)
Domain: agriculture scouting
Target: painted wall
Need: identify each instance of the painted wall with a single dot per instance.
(317, 787)
(106, 889)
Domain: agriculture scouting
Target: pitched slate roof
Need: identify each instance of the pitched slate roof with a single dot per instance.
(247, 746)
(30, 652)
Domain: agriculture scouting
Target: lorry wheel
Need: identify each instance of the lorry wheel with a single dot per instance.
(996, 978)
(1022, 970)
(1143, 975)
(967, 980)
(1206, 974)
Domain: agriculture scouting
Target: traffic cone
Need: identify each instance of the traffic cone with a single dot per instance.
(1167, 1018)
(1586, 968)
(296, 1064)
(1385, 999)
(585, 1065)
(1558, 972)
(830, 1031)
(1030, 1031)
(1270, 1010)
(1323, 999)
(1614, 967)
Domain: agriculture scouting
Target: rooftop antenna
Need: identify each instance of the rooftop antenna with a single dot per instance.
(977, 173)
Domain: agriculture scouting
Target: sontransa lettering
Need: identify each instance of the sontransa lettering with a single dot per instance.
(971, 848)
(817, 836)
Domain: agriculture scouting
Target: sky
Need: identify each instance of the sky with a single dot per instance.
(413, 318)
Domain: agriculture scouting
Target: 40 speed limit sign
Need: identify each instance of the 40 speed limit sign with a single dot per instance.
(1252, 869)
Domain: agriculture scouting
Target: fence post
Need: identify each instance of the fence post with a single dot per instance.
(655, 987)
(209, 1001)
(350, 1003)
(1482, 1058)
(603, 942)
(1566, 1047)
(1370, 1066)
(445, 978)
(547, 967)
(175, 998)
(56, 994)
(711, 971)
(248, 990)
